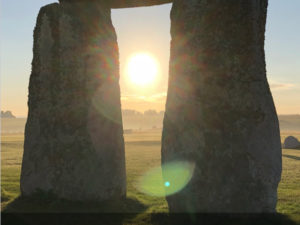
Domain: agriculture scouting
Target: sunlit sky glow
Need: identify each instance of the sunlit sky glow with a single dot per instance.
(147, 29)
(142, 69)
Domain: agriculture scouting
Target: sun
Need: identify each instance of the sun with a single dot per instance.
(142, 69)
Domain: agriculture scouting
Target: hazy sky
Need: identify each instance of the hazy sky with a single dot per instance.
(147, 30)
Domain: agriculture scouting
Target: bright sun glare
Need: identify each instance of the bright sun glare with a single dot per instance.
(142, 69)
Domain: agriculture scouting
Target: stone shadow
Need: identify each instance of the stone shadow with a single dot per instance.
(291, 156)
(44, 203)
(45, 209)
(221, 219)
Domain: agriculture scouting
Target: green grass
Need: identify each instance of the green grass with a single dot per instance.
(142, 154)
(11, 158)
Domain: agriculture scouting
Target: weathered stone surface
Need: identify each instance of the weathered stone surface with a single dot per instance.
(291, 142)
(219, 113)
(74, 145)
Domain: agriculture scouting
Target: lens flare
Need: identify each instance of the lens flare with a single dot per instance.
(167, 183)
(166, 180)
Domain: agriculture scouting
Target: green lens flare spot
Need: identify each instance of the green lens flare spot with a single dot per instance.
(166, 180)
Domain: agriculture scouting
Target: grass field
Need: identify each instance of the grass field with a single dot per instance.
(142, 154)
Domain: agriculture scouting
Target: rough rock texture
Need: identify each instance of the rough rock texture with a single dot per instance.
(74, 145)
(291, 142)
(219, 113)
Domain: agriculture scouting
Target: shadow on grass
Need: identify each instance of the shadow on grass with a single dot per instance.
(148, 219)
(49, 211)
(53, 205)
(221, 219)
(291, 156)
(39, 210)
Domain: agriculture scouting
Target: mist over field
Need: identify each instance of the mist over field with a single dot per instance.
(150, 119)
(289, 122)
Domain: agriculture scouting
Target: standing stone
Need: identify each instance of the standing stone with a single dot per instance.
(291, 142)
(219, 113)
(74, 145)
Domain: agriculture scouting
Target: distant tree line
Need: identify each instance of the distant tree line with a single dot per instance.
(7, 114)
(149, 112)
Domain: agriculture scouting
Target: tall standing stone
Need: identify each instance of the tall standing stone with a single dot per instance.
(219, 113)
(74, 145)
